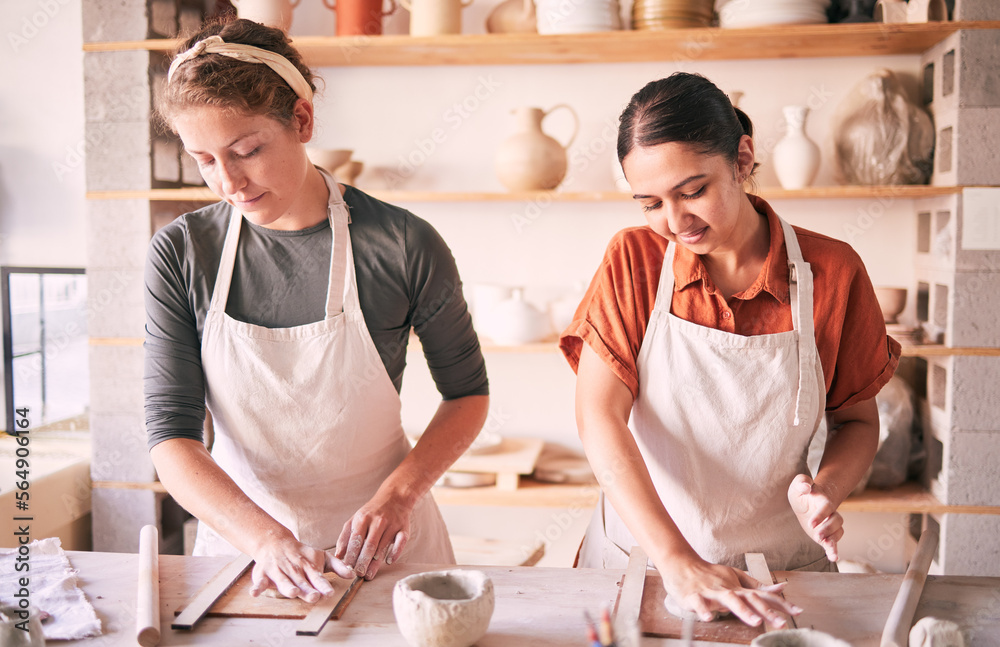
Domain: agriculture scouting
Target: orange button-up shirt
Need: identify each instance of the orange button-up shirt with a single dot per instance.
(858, 356)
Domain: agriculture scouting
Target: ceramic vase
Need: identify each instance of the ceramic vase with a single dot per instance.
(890, 11)
(359, 17)
(796, 157)
(273, 13)
(530, 160)
(512, 17)
(435, 17)
(443, 608)
(926, 11)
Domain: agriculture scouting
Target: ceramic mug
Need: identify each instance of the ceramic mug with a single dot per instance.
(360, 17)
(434, 17)
(273, 13)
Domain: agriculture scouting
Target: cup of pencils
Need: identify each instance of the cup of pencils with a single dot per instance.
(602, 632)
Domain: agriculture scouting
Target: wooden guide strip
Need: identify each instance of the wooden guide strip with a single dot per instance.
(758, 569)
(630, 600)
(328, 609)
(202, 601)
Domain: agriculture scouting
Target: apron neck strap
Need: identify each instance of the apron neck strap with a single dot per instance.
(340, 257)
(224, 278)
(800, 293)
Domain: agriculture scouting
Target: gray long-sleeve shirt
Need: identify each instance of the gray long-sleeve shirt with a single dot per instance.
(406, 278)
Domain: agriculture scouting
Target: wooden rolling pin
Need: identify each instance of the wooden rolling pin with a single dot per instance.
(147, 605)
(897, 627)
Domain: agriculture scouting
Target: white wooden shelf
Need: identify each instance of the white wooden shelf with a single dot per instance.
(902, 192)
(782, 41)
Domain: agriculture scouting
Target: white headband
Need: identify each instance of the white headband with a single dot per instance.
(247, 54)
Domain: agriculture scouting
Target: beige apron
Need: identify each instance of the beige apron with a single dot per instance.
(723, 423)
(307, 421)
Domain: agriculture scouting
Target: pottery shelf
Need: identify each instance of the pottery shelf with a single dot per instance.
(785, 41)
(902, 192)
(909, 498)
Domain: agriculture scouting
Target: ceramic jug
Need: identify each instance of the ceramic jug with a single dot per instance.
(530, 160)
(796, 157)
(435, 17)
(273, 13)
(926, 11)
(512, 17)
(359, 17)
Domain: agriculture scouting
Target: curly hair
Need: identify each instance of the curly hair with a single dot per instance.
(225, 82)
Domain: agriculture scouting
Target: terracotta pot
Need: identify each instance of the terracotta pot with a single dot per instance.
(360, 17)
(530, 160)
(435, 17)
(273, 13)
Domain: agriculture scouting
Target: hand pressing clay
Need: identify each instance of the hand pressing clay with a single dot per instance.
(931, 632)
(675, 610)
(276, 594)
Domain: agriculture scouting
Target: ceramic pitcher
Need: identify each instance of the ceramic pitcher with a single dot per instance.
(273, 13)
(530, 160)
(359, 17)
(512, 17)
(796, 157)
(435, 17)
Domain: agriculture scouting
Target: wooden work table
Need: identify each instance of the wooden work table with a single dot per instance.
(534, 606)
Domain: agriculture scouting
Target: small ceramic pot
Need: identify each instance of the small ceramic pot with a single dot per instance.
(443, 608)
(349, 172)
(797, 638)
(329, 159)
(890, 11)
(892, 301)
(273, 13)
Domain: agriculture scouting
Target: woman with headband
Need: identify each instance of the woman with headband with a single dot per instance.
(286, 309)
(708, 349)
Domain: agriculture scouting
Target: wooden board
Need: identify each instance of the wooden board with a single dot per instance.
(852, 607)
(238, 603)
(513, 457)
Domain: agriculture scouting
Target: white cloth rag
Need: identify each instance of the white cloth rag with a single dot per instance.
(53, 588)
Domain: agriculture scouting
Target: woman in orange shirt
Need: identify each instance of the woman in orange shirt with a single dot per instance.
(709, 348)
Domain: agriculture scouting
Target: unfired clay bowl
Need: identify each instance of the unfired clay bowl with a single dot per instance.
(797, 638)
(443, 608)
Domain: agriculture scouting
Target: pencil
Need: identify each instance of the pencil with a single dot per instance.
(606, 633)
(591, 630)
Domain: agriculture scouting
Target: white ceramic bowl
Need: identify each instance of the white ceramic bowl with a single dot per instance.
(443, 608)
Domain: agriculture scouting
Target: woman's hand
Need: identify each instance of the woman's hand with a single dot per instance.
(293, 568)
(707, 588)
(817, 513)
(376, 534)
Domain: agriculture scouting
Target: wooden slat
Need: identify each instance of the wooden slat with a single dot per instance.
(757, 567)
(198, 605)
(115, 341)
(940, 350)
(781, 41)
(155, 486)
(905, 192)
(629, 604)
(327, 609)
